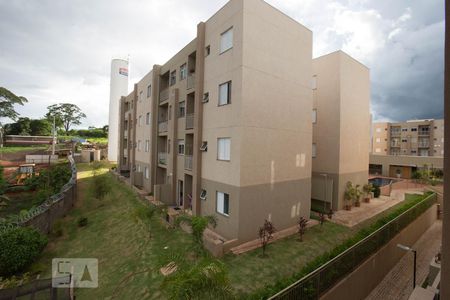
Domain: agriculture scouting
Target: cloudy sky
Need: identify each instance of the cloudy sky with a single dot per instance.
(60, 51)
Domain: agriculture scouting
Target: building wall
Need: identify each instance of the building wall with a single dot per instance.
(380, 138)
(386, 161)
(438, 137)
(342, 131)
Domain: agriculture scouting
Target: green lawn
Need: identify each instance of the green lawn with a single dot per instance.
(124, 245)
(15, 149)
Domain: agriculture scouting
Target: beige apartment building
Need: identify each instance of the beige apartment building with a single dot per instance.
(411, 138)
(225, 127)
(341, 125)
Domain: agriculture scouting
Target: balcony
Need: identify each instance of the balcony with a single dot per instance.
(162, 158)
(191, 81)
(396, 133)
(162, 126)
(423, 132)
(423, 145)
(189, 121)
(164, 95)
(188, 162)
(395, 144)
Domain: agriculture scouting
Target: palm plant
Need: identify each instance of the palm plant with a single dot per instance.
(357, 195)
(367, 189)
(348, 195)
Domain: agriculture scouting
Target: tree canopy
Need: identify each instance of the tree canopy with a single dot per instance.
(27, 126)
(7, 101)
(65, 114)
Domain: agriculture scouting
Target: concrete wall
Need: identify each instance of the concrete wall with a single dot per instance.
(41, 159)
(367, 276)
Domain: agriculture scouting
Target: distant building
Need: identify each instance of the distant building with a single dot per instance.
(413, 138)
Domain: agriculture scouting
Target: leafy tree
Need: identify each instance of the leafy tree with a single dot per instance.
(302, 223)
(321, 218)
(266, 234)
(65, 114)
(20, 127)
(105, 129)
(7, 101)
(40, 127)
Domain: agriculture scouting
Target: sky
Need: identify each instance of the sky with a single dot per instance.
(60, 51)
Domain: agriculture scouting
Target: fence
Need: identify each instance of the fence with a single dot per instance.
(316, 283)
(43, 216)
(39, 289)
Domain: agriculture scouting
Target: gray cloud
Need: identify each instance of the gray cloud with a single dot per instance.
(54, 51)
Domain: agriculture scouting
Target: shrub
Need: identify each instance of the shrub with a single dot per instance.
(376, 191)
(101, 186)
(82, 221)
(19, 247)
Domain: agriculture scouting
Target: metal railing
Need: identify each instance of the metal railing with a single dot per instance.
(423, 144)
(189, 121)
(164, 95)
(396, 132)
(395, 144)
(191, 81)
(188, 162)
(162, 158)
(316, 283)
(162, 126)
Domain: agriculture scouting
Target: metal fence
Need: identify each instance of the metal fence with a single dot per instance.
(316, 283)
(42, 217)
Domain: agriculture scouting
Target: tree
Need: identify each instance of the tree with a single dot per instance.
(40, 127)
(7, 101)
(105, 129)
(198, 225)
(321, 218)
(65, 114)
(20, 127)
(266, 234)
(302, 223)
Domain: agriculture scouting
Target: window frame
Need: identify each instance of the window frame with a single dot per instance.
(174, 77)
(183, 71)
(180, 107)
(149, 91)
(222, 35)
(229, 87)
(229, 149)
(147, 118)
(181, 143)
(226, 197)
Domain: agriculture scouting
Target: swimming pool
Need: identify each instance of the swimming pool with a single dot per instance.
(380, 181)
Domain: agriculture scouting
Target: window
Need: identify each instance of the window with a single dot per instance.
(147, 145)
(404, 129)
(314, 150)
(141, 95)
(414, 129)
(182, 110)
(139, 145)
(207, 50)
(314, 116)
(404, 140)
(225, 93)
(223, 203)
(183, 72)
(147, 173)
(173, 77)
(377, 150)
(147, 119)
(140, 120)
(203, 195)
(378, 140)
(413, 151)
(204, 146)
(226, 40)
(223, 148)
(314, 82)
(149, 91)
(205, 97)
(180, 147)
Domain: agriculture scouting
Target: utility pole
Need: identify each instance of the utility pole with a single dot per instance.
(54, 136)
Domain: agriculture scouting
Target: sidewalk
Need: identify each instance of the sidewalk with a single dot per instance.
(397, 285)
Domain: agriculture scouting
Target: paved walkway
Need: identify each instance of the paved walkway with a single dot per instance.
(397, 285)
(368, 210)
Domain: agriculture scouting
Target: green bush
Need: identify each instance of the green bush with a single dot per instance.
(376, 191)
(19, 247)
(82, 221)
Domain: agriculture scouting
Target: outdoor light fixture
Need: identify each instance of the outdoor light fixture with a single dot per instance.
(406, 248)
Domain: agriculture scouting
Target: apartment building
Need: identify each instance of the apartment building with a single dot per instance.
(411, 138)
(224, 127)
(341, 126)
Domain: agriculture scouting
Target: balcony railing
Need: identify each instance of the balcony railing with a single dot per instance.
(395, 144)
(162, 126)
(191, 81)
(189, 121)
(188, 162)
(423, 145)
(396, 132)
(162, 158)
(423, 132)
(164, 95)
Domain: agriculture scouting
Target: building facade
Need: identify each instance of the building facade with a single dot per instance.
(411, 138)
(224, 127)
(341, 125)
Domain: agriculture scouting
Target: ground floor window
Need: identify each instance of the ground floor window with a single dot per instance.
(223, 203)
